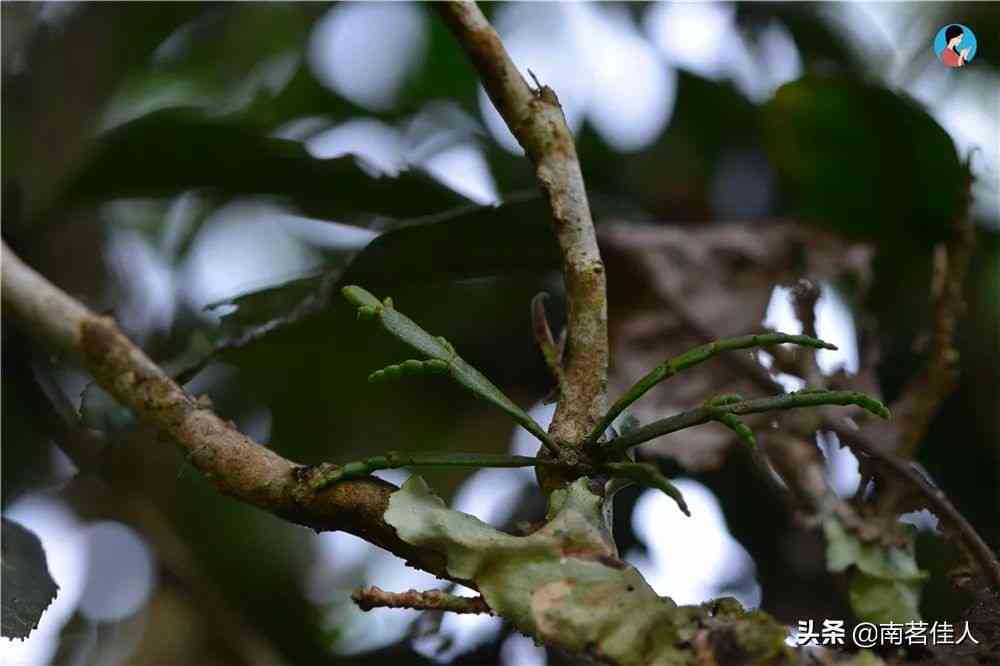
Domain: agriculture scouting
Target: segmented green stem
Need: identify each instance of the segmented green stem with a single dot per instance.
(742, 430)
(719, 409)
(395, 460)
(693, 357)
(413, 335)
(409, 368)
(648, 475)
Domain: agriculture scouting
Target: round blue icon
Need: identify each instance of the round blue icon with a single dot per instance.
(955, 45)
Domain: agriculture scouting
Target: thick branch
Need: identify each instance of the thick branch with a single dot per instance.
(234, 463)
(536, 119)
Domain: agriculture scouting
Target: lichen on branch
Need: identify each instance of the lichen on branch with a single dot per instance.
(565, 585)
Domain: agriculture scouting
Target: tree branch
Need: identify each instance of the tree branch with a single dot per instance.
(234, 463)
(922, 396)
(368, 598)
(88, 451)
(552, 351)
(536, 120)
(939, 503)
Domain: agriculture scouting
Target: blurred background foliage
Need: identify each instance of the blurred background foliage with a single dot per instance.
(211, 173)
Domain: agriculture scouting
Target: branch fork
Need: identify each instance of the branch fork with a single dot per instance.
(565, 583)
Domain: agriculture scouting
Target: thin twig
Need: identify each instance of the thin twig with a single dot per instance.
(368, 598)
(536, 120)
(980, 550)
(922, 397)
(551, 350)
(805, 294)
(395, 460)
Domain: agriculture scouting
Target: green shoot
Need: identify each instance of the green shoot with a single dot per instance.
(440, 349)
(693, 357)
(719, 410)
(395, 460)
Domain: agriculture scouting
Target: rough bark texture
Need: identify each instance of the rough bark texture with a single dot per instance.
(234, 463)
(536, 120)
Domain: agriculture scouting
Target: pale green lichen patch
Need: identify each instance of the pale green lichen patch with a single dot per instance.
(885, 581)
(564, 584)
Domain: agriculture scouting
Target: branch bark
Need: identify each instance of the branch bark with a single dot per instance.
(923, 396)
(536, 120)
(368, 598)
(237, 465)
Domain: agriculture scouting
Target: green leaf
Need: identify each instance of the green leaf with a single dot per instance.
(175, 150)
(458, 245)
(865, 161)
(879, 600)
(885, 582)
(302, 334)
(28, 588)
(671, 178)
(256, 312)
(409, 368)
(225, 60)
